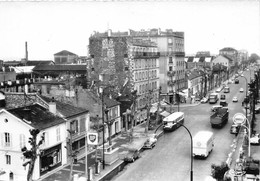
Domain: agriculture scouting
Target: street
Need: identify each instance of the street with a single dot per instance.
(171, 160)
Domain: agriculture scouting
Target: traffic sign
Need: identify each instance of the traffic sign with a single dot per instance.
(239, 118)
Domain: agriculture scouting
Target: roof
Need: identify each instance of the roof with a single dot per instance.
(60, 68)
(66, 110)
(37, 116)
(199, 59)
(194, 74)
(203, 135)
(173, 116)
(110, 102)
(39, 62)
(23, 69)
(64, 53)
(228, 57)
(228, 49)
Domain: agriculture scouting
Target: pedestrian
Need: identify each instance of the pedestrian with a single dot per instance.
(190, 100)
(184, 99)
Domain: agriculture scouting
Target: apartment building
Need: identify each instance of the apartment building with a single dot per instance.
(126, 63)
(171, 61)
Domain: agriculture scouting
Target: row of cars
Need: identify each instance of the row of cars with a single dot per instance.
(134, 153)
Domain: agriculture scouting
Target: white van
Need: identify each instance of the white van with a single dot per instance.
(203, 143)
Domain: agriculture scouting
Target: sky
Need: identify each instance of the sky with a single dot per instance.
(52, 26)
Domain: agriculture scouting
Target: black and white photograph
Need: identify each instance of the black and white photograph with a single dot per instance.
(120, 90)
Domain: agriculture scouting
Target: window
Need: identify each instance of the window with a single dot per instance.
(170, 68)
(22, 140)
(46, 138)
(7, 139)
(170, 60)
(8, 159)
(74, 126)
(82, 124)
(58, 134)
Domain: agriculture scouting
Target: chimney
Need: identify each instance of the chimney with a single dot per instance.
(109, 33)
(52, 106)
(26, 52)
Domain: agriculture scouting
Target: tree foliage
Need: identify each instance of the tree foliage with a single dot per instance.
(218, 171)
(253, 58)
(31, 154)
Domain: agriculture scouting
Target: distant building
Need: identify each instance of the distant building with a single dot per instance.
(201, 61)
(65, 57)
(223, 60)
(15, 135)
(230, 52)
(242, 56)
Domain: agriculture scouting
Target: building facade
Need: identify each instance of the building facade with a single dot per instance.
(15, 135)
(65, 57)
(171, 60)
(127, 64)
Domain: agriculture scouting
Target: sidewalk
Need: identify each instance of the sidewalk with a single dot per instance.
(121, 142)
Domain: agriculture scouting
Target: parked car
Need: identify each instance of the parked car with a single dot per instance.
(204, 100)
(132, 155)
(255, 139)
(150, 142)
(235, 99)
(257, 110)
(234, 129)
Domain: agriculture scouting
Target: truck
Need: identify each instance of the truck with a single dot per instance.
(213, 98)
(219, 118)
(223, 101)
(203, 143)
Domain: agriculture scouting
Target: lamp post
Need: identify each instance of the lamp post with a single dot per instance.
(246, 93)
(191, 152)
(248, 129)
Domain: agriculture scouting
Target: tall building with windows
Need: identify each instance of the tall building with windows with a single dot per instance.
(171, 61)
(126, 63)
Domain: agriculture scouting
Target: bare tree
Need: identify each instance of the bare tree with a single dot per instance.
(32, 153)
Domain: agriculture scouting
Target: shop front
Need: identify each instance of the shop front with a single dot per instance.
(50, 159)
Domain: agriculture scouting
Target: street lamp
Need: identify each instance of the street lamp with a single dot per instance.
(246, 92)
(248, 129)
(191, 152)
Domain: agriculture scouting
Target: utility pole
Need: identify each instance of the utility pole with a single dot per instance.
(72, 154)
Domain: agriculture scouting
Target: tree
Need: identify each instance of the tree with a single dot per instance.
(32, 153)
(218, 171)
(253, 58)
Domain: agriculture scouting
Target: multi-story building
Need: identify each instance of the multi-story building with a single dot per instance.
(126, 63)
(242, 56)
(65, 57)
(230, 52)
(171, 61)
(15, 135)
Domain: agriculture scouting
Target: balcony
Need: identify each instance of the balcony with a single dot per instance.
(171, 82)
(173, 53)
(170, 73)
(146, 54)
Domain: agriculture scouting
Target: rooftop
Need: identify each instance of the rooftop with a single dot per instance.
(37, 116)
(66, 110)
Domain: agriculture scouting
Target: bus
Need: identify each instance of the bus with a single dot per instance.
(213, 98)
(226, 89)
(173, 121)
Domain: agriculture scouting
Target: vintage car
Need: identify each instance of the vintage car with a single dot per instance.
(150, 142)
(132, 155)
